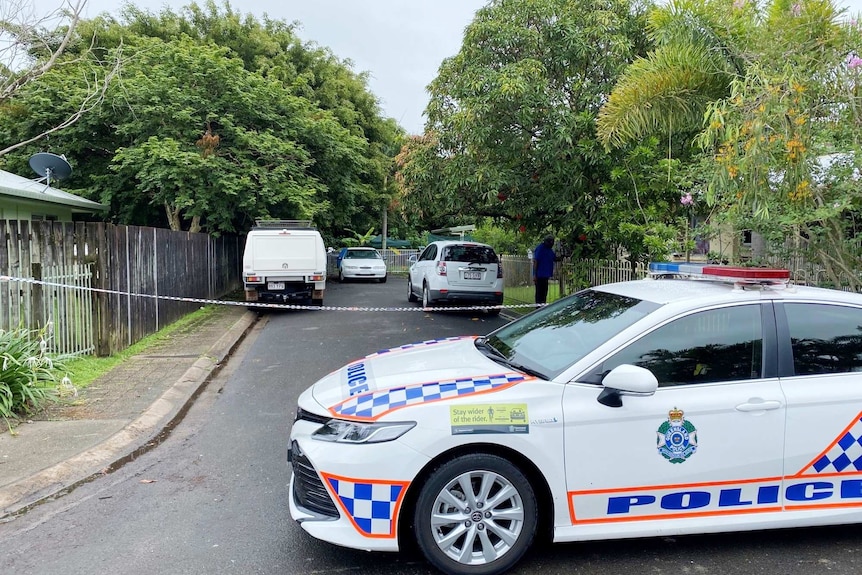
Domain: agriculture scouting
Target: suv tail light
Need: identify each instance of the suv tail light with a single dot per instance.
(441, 268)
(499, 270)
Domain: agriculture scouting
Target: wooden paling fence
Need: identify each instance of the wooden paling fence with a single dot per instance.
(99, 287)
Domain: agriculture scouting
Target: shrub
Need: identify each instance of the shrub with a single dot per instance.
(28, 374)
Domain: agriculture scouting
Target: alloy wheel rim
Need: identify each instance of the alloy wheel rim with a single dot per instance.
(477, 518)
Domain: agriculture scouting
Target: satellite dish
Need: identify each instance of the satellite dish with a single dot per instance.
(50, 166)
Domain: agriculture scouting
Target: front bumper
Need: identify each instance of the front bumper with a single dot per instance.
(363, 274)
(355, 495)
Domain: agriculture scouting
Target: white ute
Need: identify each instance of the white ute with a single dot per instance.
(284, 262)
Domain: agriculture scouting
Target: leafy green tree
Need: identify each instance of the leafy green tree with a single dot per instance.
(192, 132)
(422, 199)
(31, 46)
(503, 240)
(217, 120)
(769, 92)
(511, 121)
(650, 214)
(356, 186)
(785, 140)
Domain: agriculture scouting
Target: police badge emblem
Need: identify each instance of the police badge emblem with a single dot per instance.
(676, 437)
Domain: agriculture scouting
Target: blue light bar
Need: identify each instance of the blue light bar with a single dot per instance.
(674, 268)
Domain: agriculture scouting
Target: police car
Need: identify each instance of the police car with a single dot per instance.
(705, 399)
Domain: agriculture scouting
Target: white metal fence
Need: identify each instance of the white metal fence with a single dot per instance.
(587, 273)
(569, 275)
(69, 310)
(63, 305)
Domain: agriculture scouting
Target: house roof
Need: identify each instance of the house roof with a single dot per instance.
(19, 187)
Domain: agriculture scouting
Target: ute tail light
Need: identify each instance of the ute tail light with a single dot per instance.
(441, 268)
(499, 270)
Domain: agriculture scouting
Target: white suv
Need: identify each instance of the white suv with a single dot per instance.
(456, 272)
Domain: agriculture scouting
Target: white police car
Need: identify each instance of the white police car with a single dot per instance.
(663, 406)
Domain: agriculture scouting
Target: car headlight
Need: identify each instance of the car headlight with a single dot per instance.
(341, 431)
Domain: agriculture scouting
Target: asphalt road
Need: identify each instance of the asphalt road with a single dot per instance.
(212, 498)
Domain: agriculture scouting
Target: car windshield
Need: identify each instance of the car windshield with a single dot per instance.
(362, 255)
(551, 339)
(470, 254)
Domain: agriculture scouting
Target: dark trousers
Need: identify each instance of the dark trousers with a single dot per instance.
(541, 290)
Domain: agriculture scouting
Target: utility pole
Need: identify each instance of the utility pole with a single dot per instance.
(385, 230)
(385, 233)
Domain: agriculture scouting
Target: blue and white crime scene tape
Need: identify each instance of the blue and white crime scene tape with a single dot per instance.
(4, 278)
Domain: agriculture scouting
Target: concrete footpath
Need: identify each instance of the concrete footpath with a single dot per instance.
(118, 416)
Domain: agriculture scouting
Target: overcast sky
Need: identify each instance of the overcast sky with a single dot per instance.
(400, 43)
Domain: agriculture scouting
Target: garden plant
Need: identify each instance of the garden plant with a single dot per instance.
(28, 373)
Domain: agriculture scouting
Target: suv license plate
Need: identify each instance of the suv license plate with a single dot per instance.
(275, 285)
(472, 275)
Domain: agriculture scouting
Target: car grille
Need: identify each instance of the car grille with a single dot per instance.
(308, 491)
(312, 417)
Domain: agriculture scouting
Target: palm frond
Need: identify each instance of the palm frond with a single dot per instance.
(665, 93)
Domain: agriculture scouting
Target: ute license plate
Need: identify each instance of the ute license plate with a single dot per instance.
(275, 285)
(472, 275)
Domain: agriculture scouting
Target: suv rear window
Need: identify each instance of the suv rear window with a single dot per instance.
(362, 255)
(470, 254)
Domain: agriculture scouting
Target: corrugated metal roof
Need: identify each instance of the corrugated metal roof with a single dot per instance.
(19, 187)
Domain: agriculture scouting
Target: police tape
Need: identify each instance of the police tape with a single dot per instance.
(264, 305)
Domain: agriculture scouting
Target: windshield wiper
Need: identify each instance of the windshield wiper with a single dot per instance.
(523, 368)
(482, 342)
(496, 355)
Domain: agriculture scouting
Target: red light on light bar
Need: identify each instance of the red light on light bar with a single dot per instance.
(747, 273)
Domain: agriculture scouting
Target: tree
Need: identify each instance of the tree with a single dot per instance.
(31, 46)
(216, 121)
(355, 187)
(700, 48)
(786, 140)
(511, 121)
(422, 200)
(769, 92)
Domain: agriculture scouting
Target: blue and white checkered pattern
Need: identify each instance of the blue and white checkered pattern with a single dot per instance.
(372, 506)
(845, 455)
(419, 344)
(376, 403)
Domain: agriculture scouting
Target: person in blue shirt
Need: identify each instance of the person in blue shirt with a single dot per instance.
(543, 267)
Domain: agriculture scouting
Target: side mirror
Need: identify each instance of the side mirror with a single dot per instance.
(412, 259)
(626, 379)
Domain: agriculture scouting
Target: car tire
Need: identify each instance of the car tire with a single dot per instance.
(493, 311)
(426, 296)
(505, 529)
(382, 280)
(411, 297)
(317, 302)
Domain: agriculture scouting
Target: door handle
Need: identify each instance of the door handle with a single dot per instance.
(758, 405)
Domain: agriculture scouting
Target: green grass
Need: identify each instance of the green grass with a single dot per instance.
(86, 369)
(527, 294)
